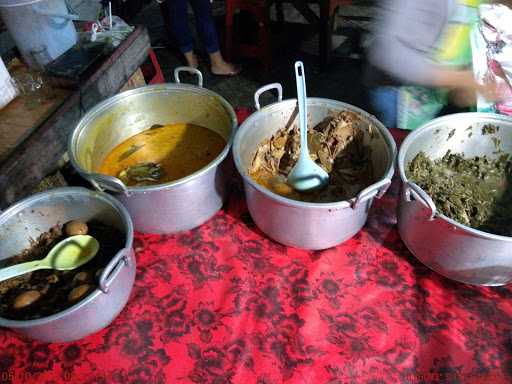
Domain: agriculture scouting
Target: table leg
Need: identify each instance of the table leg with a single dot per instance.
(325, 34)
(228, 45)
(280, 13)
(305, 11)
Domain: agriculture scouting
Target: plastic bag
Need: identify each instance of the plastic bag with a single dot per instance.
(417, 105)
(120, 30)
(491, 43)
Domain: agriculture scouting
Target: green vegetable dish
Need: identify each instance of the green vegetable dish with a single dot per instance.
(476, 191)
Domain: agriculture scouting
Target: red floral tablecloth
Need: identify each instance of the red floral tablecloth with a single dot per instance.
(224, 304)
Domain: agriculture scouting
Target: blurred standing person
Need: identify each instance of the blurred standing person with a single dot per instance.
(420, 59)
(178, 12)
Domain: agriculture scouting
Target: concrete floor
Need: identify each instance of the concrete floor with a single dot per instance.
(341, 81)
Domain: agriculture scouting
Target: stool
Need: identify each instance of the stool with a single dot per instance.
(260, 11)
(151, 69)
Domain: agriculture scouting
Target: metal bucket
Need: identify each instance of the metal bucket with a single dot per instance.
(295, 223)
(36, 214)
(454, 250)
(166, 208)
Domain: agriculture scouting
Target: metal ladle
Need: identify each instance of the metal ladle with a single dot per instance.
(68, 254)
(306, 175)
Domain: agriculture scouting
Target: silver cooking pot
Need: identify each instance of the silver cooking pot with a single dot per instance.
(454, 250)
(167, 208)
(36, 214)
(300, 224)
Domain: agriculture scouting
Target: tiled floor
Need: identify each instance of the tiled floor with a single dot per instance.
(341, 81)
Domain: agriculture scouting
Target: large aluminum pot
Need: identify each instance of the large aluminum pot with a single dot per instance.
(454, 250)
(30, 217)
(167, 208)
(295, 223)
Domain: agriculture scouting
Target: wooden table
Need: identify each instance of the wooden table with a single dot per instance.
(323, 22)
(25, 112)
(35, 151)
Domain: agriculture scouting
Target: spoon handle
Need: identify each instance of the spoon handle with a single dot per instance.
(20, 269)
(300, 79)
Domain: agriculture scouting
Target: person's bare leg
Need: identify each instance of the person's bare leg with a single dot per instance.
(191, 59)
(221, 67)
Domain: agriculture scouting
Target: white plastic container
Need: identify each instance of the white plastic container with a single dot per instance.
(8, 90)
(42, 26)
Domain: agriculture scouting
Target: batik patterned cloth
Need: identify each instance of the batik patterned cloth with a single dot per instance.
(225, 304)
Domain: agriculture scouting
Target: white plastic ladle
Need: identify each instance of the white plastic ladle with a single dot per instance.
(306, 175)
(68, 254)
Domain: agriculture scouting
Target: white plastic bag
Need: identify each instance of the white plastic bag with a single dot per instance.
(491, 43)
(120, 30)
(8, 90)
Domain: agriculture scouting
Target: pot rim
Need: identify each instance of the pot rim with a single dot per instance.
(167, 87)
(435, 124)
(312, 101)
(14, 209)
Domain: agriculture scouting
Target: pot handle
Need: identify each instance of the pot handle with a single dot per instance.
(376, 190)
(119, 261)
(191, 70)
(422, 196)
(266, 88)
(109, 183)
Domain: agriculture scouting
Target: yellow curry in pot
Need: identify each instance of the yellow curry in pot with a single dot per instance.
(163, 153)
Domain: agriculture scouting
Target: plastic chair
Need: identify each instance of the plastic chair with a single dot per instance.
(262, 49)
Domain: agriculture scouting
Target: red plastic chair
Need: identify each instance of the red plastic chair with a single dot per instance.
(151, 69)
(327, 13)
(262, 49)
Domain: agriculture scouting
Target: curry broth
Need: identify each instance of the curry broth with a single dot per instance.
(177, 149)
